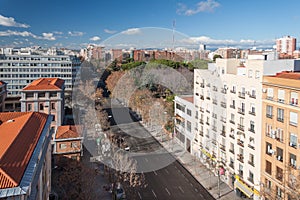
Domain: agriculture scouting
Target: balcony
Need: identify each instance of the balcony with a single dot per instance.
(280, 119)
(222, 147)
(241, 127)
(232, 106)
(232, 136)
(251, 162)
(250, 179)
(241, 111)
(223, 104)
(215, 89)
(214, 142)
(201, 121)
(251, 146)
(201, 97)
(231, 151)
(294, 102)
(232, 91)
(270, 98)
(231, 121)
(224, 91)
(202, 85)
(201, 109)
(251, 130)
(208, 97)
(214, 101)
(223, 119)
(240, 158)
(214, 128)
(280, 100)
(206, 135)
(252, 96)
(269, 116)
(207, 123)
(231, 165)
(294, 145)
(242, 95)
(240, 142)
(208, 111)
(252, 113)
(201, 133)
(223, 133)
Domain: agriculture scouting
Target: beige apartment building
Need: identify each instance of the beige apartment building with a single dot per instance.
(280, 137)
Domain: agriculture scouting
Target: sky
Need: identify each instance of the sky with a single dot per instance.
(216, 23)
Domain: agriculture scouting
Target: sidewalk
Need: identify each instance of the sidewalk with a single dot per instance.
(204, 176)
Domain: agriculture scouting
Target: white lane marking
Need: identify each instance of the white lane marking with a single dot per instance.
(180, 189)
(146, 160)
(167, 171)
(196, 190)
(154, 194)
(155, 173)
(191, 184)
(139, 195)
(168, 191)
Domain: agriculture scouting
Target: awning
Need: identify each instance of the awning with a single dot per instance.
(208, 154)
(244, 188)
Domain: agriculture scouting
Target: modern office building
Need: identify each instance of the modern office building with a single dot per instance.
(184, 121)
(18, 68)
(3, 94)
(280, 136)
(45, 95)
(25, 155)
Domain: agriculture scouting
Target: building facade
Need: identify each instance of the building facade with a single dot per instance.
(25, 155)
(280, 136)
(285, 46)
(3, 94)
(184, 121)
(68, 142)
(45, 95)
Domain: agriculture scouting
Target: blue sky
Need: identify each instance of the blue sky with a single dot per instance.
(74, 24)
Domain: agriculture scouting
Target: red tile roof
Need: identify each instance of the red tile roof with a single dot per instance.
(45, 84)
(19, 133)
(2, 83)
(189, 99)
(68, 131)
(288, 75)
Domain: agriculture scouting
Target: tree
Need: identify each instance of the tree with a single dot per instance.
(216, 56)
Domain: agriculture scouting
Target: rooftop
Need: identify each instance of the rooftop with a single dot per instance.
(19, 133)
(45, 84)
(288, 75)
(68, 131)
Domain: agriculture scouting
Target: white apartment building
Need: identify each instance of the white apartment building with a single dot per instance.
(228, 97)
(184, 121)
(18, 68)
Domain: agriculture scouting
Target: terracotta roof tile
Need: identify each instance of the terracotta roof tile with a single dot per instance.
(19, 133)
(45, 84)
(288, 75)
(68, 131)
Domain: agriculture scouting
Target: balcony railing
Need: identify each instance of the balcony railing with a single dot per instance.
(242, 95)
(231, 121)
(232, 106)
(215, 88)
(214, 142)
(202, 85)
(215, 101)
(201, 133)
(252, 96)
(251, 146)
(223, 90)
(231, 151)
(201, 97)
(251, 130)
(252, 113)
(231, 165)
(223, 104)
(201, 109)
(232, 91)
(269, 116)
(241, 111)
(241, 127)
(232, 136)
(280, 119)
(201, 121)
(251, 162)
(223, 133)
(240, 142)
(240, 158)
(223, 119)
(222, 147)
(214, 128)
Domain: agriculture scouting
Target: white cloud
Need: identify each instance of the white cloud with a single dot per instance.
(45, 36)
(58, 32)
(95, 38)
(132, 31)
(202, 6)
(48, 36)
(109, 31)
(75, 33)
(9, 21)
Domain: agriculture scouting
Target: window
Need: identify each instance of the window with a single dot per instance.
(53, 118)
(196, 116)
(279, 154)
(29, 107)
(252, 109)
(251, 126)
(279, 173)
(278, 192)
(293, 160)
(279, 135)
(62, 146)
(269, 167)
(251, 159)
(53, 107)
(189, 112)
(41, 94)
(250, 73)
(281, 94)
(41, 106)
(251, 177)
(293, 118)
(293, 140)
(180, 107)
(241, 171)
(269, 149)
(268, 184)
(269, 111)
(257, 74)
(270, 93)
(188, 126)
(294, 98)
(74, 144)
(280, 115)
(29, 95)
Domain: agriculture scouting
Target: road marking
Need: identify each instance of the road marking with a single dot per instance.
(168, 191)
(186, 179)
(139, 195)
(191, 184)
(154, 194)
(196, 190)
(146, 160)
(167, 171)
(155, 173)
(180, 189)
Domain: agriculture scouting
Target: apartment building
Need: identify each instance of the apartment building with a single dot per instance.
(227, 97)
(25, 155)
(285, 46)
(3, 94)
(45, 95)
(68, 142)
(19, 68)
(184, 121)
(280, 136)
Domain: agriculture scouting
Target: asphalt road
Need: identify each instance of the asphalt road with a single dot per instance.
(165, 176)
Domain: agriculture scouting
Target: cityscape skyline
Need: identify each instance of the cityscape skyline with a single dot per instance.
(214, 23)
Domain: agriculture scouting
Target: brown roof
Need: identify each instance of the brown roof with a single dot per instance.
(288, 75)
(45, 84)
(189, 99)
(68, 131)
(19, 133)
